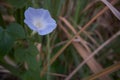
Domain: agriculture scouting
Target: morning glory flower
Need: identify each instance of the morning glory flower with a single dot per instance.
(39, 20)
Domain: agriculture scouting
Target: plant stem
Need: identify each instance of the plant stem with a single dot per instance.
(48, 57)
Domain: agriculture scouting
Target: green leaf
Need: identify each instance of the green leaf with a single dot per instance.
(32, 50)
(31, 75)
(33, 65)
(16, 31)
(7, 36)
(28, 55)
(17, 3)
(6, 42)
(20, 55)
(31, 58)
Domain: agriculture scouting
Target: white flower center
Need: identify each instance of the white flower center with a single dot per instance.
(39, 24)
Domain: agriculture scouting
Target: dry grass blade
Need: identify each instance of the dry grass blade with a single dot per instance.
(99, 36)
(57, 75)
(69, 42)
(81, 40)
(113, 9)
(60, 43)
(93, 54)
(2, 69)
(89, 6)
(90, 37)
(92, 63)
(106, 71)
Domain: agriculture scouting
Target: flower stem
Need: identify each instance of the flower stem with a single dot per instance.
(48, 57)
(33, 33)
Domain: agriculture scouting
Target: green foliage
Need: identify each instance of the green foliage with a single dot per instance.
(8, 36)
(56, 6)
(16, 31)
(79, 7)
(6, 42)
(17, 3)
(28, 55)
(30, 75)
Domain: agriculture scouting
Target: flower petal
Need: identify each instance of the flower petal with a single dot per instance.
(50, 20)
(31, 26)
(49, 28)
(32, 13)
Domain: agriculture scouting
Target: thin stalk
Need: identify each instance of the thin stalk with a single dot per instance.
(48, 57)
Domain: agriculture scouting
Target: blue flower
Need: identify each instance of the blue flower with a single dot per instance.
(39, 20)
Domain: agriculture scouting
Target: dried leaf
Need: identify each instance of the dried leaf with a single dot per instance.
(112, 8)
